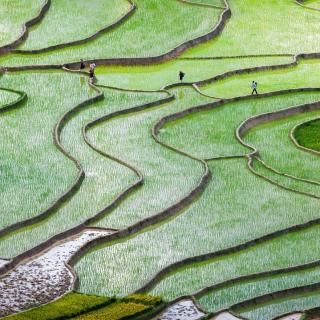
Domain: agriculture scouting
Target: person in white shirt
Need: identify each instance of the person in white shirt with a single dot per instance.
(254, 86)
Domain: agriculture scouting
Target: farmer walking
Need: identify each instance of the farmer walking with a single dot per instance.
(181, 75)
(91, 72)
(82, 65)
(254, 86)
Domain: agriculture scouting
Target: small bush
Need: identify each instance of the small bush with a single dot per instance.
(308, 134)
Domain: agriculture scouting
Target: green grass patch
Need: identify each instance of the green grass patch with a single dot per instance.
(143, 298)
(116, 311)
(211, 2)
(68, 306)
(76, 305)
(308, 134)
(224, 298)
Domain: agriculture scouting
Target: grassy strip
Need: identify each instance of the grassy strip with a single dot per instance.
(219, 4)
(308, 134)
(81, 306)
(116, 311)
(139, 258)
(223, 296)
(136, 307)
(146, 299)
(70, 305)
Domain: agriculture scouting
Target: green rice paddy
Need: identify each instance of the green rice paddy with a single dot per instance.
(76, 20)
(13, 15)
(131, 39)
(144, 140)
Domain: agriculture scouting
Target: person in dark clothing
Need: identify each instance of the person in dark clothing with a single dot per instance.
(91, 75)
(82, 65)
(181, 75)
(254, 86)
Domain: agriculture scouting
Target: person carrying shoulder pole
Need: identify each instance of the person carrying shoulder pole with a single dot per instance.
(91, 73)
(254, 86)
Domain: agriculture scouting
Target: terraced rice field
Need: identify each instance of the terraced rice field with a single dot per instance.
(139, 195)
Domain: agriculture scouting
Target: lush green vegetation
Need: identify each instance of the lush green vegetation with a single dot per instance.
(77, 20)
(283, 252)
(219, 299)
(76, 305)
(13, 14)
(70, 305)
(117, 311)
(307, 134)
